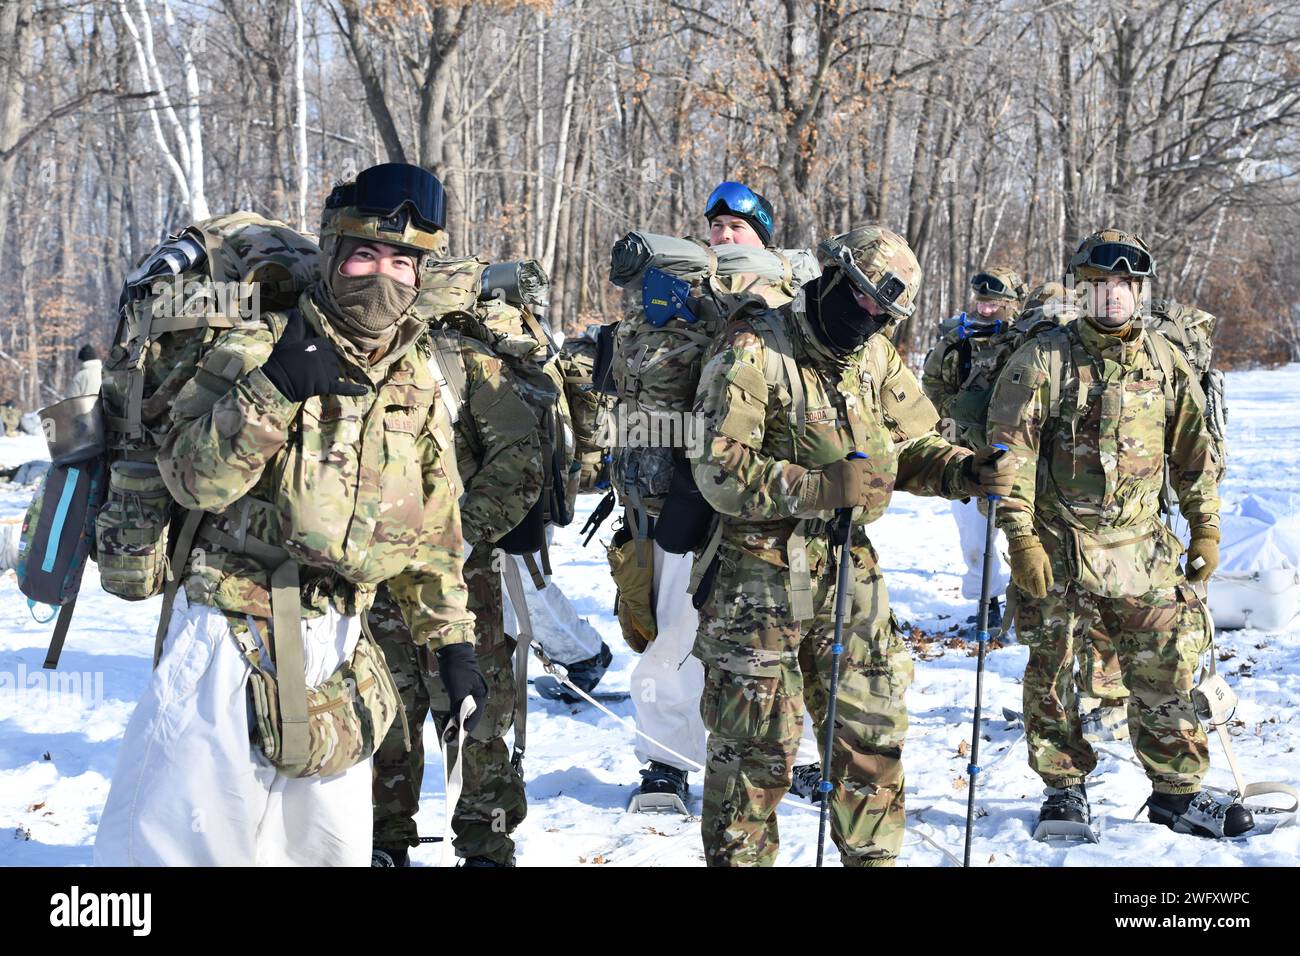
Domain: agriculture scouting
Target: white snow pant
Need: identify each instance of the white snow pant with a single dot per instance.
(971, 528)
(668, 680)
(565, 637)
(190, 789)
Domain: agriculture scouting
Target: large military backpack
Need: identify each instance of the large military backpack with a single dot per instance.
(224, 272)
(501, 306)
(1191, 330)
(687, 292)
(591, 407)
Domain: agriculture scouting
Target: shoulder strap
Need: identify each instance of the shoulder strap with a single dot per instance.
(1158, 352)
(780, 359)
(1057, 352)
(448, 368)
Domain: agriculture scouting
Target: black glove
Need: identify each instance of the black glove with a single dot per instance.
(458, 668)
(300, 367)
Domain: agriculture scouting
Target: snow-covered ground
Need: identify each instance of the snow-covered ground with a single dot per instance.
(59, 734)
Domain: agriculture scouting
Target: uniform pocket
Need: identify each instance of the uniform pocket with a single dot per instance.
(746, 405)
(744, 707)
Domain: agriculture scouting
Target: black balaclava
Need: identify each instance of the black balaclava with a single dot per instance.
(836, 319)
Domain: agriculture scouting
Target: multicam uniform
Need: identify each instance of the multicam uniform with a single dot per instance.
(766, 629)
(499, 458)
(356, 491)
(1089, 485)
(958, 359)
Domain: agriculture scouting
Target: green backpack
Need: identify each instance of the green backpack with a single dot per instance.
(215, 275)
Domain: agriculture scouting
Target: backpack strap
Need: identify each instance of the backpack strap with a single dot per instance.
(1159, 354)
(448, 368)
(779, 364)
(1055, 372)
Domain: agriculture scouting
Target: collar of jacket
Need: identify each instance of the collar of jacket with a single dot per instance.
(409, 331)
(1125, 347)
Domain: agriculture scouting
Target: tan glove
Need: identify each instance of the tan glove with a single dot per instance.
(1202, 554)
(990, 471)
(842, 484)
(1031, 570)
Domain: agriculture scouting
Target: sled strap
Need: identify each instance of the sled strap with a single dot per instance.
(290, 672)
(524, 625)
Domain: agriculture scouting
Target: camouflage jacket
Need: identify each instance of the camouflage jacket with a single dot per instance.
(755, 467)
(357, 490)
(498, 454)
(951, 362)
(1093, 473)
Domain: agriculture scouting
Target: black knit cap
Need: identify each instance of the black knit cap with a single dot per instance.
(720, 206)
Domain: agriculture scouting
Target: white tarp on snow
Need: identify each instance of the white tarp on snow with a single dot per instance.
(1258, 580)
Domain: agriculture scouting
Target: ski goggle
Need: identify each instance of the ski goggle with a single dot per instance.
(1119, 257)
(385, 189)
(986, 284)
(739, 199)
(886, 292)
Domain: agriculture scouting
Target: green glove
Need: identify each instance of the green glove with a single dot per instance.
(1031, 570)
(842, 484)
(990, 471)
(1202, 554)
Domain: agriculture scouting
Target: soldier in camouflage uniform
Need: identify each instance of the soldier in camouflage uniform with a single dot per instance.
(966, 354)
(499, 460)
(1101, 680)
(315, 444)
(786, 396)
(1093, 414)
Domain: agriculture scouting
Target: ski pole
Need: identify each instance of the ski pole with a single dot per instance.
(982, 636)
(840, 529)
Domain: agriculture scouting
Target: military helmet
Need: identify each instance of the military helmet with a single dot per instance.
(1045, 293)
(999, 283)
(1109, 252)
(393, 203)
(878, 263)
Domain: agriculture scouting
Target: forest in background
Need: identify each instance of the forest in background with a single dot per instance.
(996, 132)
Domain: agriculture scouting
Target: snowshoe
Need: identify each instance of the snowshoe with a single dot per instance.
(663, 790)
(1066, 816)
(585, 674)
(390, 855)
(474, 862)
(1199, 814)
(806, 782)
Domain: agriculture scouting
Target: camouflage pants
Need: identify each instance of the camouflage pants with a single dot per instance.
(1157, 638)
(492, 803)
(761, 670)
